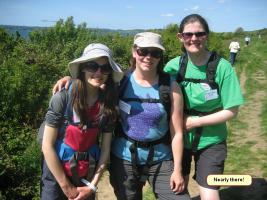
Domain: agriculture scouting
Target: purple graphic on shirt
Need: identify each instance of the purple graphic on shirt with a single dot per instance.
(142, 119)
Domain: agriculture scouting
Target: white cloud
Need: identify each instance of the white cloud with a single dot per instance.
(167, 15)
(194, 9)
(129, 7)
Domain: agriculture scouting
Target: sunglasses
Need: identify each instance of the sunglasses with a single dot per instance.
(93, 67)
(188, 35)
(146, 51)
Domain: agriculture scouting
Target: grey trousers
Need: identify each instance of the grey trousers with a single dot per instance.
(128, 187)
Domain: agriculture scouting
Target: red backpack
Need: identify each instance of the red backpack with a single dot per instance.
(76, 147)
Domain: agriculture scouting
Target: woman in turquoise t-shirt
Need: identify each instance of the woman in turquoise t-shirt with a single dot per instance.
(142, 150)
(207, 107)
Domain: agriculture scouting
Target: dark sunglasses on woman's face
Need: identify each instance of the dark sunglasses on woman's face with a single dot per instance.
(190, 34)
(93, 67)
(145, 51)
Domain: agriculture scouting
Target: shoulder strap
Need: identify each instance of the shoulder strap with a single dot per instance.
(123, 83)
(182, 69)
(212, 68)
(210, 72)
(165, 91)
(68, 114)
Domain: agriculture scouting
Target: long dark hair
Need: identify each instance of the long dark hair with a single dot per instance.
(191, 19)
(107, 98)
(133, 62)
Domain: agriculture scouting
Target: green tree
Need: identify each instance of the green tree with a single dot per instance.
(239, 30)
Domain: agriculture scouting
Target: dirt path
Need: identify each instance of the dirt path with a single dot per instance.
(105, 190)
(250, 115)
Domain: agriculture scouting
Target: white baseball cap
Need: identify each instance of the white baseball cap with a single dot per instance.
(148, 39)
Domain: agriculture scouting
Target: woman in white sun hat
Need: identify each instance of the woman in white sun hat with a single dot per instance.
(74, 120)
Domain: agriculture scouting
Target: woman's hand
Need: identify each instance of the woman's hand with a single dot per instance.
(177, 182)
(63, 82)
(84, 193)
(70, 191)
(190, 122)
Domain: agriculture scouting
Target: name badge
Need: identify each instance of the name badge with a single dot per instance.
(76, 118)
(205, 86)
(211, 94)
(125, 107)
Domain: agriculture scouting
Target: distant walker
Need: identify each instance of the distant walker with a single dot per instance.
(234, 48)
(247, 40)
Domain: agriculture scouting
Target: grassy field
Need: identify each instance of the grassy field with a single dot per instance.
(247, 140)
(243, 145)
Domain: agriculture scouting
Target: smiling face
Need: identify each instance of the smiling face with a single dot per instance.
(147, 59)
(196, 42)
(97, 76)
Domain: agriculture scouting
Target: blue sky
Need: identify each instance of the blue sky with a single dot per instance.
(222, 15)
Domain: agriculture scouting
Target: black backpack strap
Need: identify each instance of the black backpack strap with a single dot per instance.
(68, 113)
(78, 156)
(118, 132)
(180, 77)
(69, 110)
(141, 174)
(123, 83)
(141, 100)
(165, 91)
(211, 69)
(212, 64)
(198, 131)
(196, 140)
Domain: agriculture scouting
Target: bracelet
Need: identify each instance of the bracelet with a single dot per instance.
(90, 185)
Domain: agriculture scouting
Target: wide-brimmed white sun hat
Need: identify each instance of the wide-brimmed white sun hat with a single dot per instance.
(148, 39)
(92, 52)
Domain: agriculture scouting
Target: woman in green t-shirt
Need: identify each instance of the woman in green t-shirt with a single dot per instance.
(208, 105)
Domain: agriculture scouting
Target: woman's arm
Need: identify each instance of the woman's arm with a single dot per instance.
(104, 157)
(212, 119)
(85, 192)
(63, 82)
(176, 129)
(53, 163)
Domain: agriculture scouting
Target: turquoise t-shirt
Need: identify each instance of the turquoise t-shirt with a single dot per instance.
(200, 97)
(142, 121)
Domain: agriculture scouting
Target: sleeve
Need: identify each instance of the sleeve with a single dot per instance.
(107, 124)
(55, 114)
(230, 90)
(172, 66)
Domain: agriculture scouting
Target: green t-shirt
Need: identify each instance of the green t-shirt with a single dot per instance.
(200, 97)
